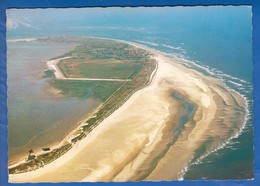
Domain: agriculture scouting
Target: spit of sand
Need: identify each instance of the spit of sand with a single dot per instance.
(140, 140)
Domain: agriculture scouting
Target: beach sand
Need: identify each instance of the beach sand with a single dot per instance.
(142, 140)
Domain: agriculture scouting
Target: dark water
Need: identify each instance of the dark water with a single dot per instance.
(217, 39)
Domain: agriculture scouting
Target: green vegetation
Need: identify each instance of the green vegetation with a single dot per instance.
(98, 58)
(48, 74)
(100, 70)
(40, 160)
(84, 89)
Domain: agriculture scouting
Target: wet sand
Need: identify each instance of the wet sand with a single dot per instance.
(144, 139)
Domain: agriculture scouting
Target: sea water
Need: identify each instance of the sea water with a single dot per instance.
(216, 40)
(36, 117)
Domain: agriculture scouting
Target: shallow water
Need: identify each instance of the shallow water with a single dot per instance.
(37, 118)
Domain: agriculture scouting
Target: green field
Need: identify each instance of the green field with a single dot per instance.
(100, 70)
(97, 58)
(84, 89)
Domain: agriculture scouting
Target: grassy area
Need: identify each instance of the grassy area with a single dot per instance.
(85, 89)
(99, 58)
(48, 74)
(116, 71)
(96, 58)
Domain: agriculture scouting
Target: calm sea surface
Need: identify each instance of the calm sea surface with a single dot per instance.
(37, 118)
(217, 39)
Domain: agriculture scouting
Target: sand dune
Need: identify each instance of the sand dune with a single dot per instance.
(145, 138)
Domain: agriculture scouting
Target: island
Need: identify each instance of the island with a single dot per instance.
(157, 114)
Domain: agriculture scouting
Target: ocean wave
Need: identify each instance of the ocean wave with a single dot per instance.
(237, 84)
(171, 47)
(146, 42)
(227, 142)
(178, 55)
(211, 71)
(234, 78)
(205, 68)
(234, 142)
(184, 170)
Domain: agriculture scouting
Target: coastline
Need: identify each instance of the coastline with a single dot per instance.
(169, 77)
(50, 133)
(83, 125)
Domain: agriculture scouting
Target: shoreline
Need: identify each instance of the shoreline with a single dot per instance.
(77, 132)
(71, 134)
(205, 102)
(46, 136)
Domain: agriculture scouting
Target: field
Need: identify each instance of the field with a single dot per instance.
(84, 89)
(99, 69)
(100, 59)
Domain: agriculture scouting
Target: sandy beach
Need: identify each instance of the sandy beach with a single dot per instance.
(146, 138)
